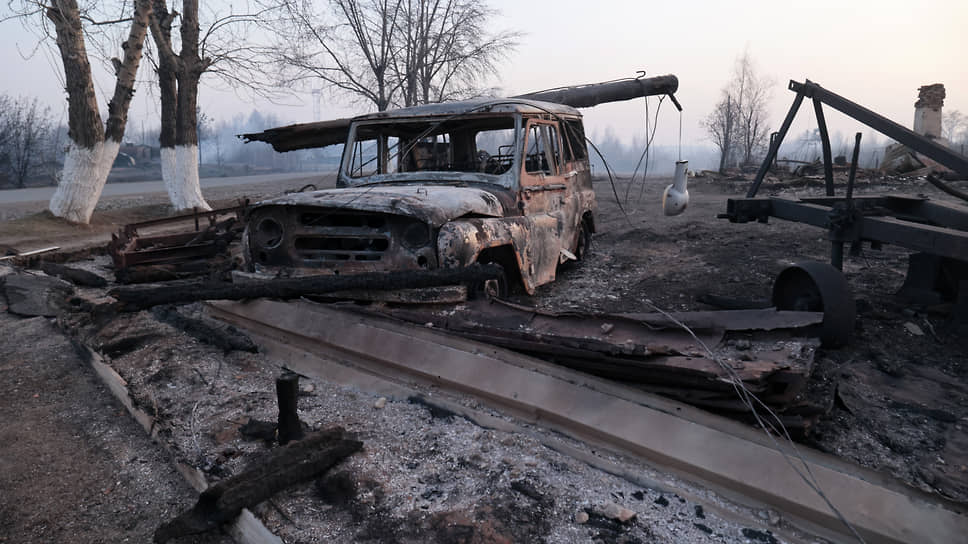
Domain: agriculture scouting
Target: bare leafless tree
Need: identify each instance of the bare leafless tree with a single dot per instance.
(954, 126)
(738, 124)
(391, 52)
(720, 125)
(178, 77)
(444, 50)
(753, 92)
(94, 143)
(26, 130)
(347, 44)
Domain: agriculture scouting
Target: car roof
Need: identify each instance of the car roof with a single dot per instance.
(325, 133)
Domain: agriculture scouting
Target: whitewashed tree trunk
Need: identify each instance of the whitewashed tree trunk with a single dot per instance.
(179, 170)
(85, 172)
(94, 144)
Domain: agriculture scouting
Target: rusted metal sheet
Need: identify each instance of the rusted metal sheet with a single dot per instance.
(166, 256)
(646, 349)
(303, 135)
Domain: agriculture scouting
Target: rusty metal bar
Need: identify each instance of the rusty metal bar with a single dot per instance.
(771, 154)
(828, 165)
(193, 215)
(853, 168)
(906, 232)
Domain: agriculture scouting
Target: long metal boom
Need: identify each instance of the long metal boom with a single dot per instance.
(593, 94)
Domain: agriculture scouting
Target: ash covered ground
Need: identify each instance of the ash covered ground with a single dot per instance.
(893, 401)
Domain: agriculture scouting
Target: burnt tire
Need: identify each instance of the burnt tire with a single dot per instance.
(495, 288)
(584, 245)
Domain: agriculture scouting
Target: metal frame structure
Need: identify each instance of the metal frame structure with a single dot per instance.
(936, 230)
(915, 222)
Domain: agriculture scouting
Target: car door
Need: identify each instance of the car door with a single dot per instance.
(543, 196)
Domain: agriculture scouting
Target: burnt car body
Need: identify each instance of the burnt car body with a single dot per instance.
(502, 181)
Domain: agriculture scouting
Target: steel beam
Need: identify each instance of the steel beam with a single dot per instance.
(771, 154)
(918, 236)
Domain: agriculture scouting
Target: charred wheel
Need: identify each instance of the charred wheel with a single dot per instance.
(811, 286)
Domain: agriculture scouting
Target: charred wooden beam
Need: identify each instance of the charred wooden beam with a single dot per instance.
(139, 298)
(73, 275)
(286, 466)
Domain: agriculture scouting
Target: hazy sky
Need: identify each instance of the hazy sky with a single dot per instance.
(876, 53)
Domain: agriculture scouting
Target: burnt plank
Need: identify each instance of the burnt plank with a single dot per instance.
(286, 466)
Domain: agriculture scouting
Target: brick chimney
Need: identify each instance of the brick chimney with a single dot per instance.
(927, 110)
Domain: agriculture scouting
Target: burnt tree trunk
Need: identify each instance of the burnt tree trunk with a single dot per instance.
(133, 299)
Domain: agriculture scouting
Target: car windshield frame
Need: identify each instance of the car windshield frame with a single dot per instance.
(502, 170)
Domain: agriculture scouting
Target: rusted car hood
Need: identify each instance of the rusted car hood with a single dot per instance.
(433, 204)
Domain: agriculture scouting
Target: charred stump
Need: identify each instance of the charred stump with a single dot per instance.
(287, 391)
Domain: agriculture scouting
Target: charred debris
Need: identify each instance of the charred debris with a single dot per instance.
(463, 203)
(442, 211)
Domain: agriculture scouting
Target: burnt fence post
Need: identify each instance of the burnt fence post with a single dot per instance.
(287, 391)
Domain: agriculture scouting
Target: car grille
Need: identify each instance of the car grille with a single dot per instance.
(340, 237)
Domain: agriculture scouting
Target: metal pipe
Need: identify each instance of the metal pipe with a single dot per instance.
(853, 168)
(592, 94)
(828, 165)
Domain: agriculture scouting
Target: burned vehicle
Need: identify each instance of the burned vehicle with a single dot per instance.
(503, 181)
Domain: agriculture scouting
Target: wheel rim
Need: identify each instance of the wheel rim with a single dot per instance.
(812, 286)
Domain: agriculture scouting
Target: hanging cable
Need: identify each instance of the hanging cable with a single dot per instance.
(750, 401)
(680, 135)
(648, 146)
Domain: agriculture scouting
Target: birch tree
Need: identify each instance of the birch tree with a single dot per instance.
(94, 143)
